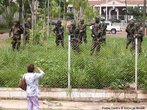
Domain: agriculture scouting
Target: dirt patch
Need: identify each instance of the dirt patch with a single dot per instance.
(4, 36)
(118, 35)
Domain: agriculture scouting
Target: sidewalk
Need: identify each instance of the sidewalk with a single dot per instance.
(70, 105)
(80, 99)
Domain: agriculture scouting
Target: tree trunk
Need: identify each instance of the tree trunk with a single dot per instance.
(32, 11)
(144, 17)
(31, 4)
(81, 12)
(23, 22)
(20, 11)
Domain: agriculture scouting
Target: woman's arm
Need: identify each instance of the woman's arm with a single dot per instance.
(40, 73)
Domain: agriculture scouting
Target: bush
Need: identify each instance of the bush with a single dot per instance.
(69, 16)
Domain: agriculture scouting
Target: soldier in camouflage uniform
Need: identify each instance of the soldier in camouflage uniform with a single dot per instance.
(74, 34)
(82, 29)
(59, 31)
(139, 35)
(27, 25)
(15, 33)
(103, 30)
(130, 29)
(96, 35)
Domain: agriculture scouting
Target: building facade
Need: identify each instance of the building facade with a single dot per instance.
(115, 9)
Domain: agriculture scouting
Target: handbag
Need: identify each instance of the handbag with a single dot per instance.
(22, 84)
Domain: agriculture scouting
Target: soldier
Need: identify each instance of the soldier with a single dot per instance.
(74, 34)
(103, 30)
(138, 33)
(82, 29)
(130, 29)
(59, 31)
(16, 32)
(27, 25)
(96, 35)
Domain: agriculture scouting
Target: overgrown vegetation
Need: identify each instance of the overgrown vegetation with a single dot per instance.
(112, 68)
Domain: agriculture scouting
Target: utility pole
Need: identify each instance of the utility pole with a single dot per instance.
(144, 16)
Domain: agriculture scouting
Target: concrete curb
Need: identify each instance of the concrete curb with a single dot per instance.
(78, 94)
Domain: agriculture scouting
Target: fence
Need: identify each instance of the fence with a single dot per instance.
(114, 67)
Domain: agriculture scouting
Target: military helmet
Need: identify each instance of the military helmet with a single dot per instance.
(97, 19)
(28, 19)
(73, 24)
(59, 22)
(82, 20)
(102, 19)
(132, 22)
(16, 23)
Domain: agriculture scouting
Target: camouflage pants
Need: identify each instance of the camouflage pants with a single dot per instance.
(16, 42)
(75, 45)
(139, 48)
(83, 37)
(59, 40)
(26, 37)
(104, 38)
(129, 40)
(95, 46)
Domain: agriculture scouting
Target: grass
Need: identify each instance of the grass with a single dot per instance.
(113, 67)
(5, 30)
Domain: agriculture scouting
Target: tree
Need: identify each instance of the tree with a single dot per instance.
(82, 9)
(54, 8)
(137, 12)
(88, 12)
(8, 11)
(76, 6)
(4, 2)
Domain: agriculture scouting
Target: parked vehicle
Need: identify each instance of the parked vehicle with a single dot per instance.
(113, 29)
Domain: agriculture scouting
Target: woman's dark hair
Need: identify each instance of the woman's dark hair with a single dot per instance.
(31, 68)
